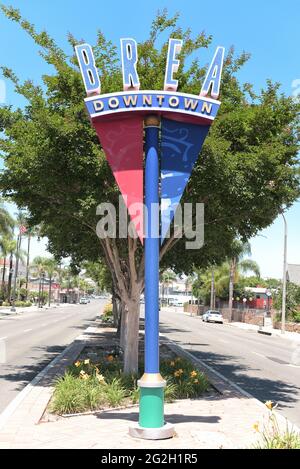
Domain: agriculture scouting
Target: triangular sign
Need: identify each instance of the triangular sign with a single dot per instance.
(181, 144)
(122, 142)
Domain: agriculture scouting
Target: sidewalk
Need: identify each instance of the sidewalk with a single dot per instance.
(218, 420)
(6, 311)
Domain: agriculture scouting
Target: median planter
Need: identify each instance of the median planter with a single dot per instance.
(95, 381)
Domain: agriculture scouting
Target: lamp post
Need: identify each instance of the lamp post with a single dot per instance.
(151, 416)
(283, 308)
(13, 309)
(269, 294)
(42, 296)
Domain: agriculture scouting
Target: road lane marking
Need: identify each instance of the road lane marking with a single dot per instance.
(27, 330)
(259, 354)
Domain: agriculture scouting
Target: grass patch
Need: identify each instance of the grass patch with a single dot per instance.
(87, 386)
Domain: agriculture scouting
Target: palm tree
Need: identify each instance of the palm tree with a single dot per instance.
(51, 268)
(39, 264)
(7, 246)
(31, 232)
(167, 278)
(238, 264)
(7, 222)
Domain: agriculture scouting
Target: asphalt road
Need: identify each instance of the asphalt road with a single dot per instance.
(267, 367)
(28, 342)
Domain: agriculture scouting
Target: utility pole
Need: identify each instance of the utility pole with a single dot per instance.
(283, 308)
(19, 239)
(212, 290)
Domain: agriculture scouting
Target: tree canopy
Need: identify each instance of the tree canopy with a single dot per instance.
(55, 167)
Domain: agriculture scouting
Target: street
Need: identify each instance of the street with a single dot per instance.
(30, 341)
(261, 365)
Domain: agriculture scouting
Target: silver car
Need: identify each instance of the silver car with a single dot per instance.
(212, 316)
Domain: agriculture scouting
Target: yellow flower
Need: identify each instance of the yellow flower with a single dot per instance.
(77, 364)
(172, 363)
(110, 358)
(196, 381)
(83, 375)
(269, 404)
(87, 361)
(193, 374)
(100, 378)
(178, 372)
(256, 427)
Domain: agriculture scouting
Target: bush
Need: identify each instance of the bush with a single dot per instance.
(107, 315)
(88, 386)
(274, 438)
(76, 395)
(5, 303)
(186, 380)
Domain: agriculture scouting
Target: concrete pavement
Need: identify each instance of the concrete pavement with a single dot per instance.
(29, 341)
(267, 367)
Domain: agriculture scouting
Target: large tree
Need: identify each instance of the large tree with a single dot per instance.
(55, 166)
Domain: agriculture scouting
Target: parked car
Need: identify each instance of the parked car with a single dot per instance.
(212, 316)
(83, 301)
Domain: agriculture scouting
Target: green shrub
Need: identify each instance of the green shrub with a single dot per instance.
(5, 303)
(272, 437)
(88, 386)
(76, 395)
(107, 315)
(115, 392)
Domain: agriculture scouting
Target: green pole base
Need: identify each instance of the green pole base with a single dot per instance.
(151, 407)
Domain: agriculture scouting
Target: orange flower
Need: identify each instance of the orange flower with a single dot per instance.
(77, 364)
(110, 358)
(196, 381)
(269, 404)
(83, 375)
(193, 374)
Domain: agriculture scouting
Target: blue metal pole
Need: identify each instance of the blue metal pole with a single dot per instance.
(151, 419)
(152, 250)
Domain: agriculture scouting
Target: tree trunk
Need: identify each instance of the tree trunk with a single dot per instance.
(130, 335)
(10, 276)
(3, 273)
(50, 285)
(231, 286)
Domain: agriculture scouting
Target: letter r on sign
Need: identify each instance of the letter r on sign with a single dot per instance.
(129, 57)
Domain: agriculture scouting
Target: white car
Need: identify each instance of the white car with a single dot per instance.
(212, 316)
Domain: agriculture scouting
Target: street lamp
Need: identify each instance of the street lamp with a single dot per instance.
(269, 294)
(283, 308)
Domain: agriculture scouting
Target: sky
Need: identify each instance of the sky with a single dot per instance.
(268, 29)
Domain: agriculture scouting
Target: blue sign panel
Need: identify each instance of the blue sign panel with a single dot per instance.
(181, 144)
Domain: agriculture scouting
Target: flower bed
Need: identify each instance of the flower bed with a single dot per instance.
(96, 381)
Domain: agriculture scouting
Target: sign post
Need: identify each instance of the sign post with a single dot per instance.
(175, 128)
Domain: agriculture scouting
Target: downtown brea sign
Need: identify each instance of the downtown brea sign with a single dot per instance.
(152, 140)
(163, 102)
(118, 120)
